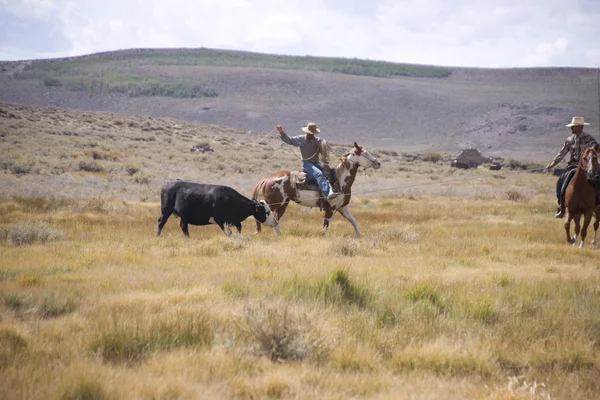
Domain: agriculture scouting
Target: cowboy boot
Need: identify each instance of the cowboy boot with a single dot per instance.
(332, 195)
(559, 213)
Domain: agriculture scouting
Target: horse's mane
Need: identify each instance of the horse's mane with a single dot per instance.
(344, 157)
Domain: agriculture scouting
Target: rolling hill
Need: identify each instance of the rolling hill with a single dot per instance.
(517, 113)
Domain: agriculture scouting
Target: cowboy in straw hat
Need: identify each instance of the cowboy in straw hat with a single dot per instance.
(311, 147)
(574, 145)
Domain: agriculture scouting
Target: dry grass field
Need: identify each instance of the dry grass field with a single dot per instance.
(461, 287)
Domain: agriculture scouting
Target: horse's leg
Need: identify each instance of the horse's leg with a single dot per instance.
(346, 213)
(258, 226)
(568, 218)
(596, 224)
(278, 215)
(328, 214)
(577, 220)
(586, 222)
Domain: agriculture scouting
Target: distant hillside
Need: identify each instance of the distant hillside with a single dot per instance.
(51, 151)
(517, 113)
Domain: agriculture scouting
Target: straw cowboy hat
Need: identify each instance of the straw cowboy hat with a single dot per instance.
(576, 121)
(311, 127)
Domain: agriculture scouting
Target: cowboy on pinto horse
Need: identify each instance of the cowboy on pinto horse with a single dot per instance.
(311, 147)
(574, 144)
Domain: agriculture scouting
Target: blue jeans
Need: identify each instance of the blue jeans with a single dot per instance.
(314, 170)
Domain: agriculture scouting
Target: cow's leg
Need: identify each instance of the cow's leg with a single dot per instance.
(162, 220)
(587, 218)
(346, 213)
(238, 226)
(225, 228)
(184, 226)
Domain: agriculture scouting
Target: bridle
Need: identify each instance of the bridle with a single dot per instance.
(372, 159)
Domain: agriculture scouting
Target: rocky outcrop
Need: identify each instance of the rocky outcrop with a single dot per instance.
(468, 158)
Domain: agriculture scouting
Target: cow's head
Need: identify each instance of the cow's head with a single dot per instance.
(263, 214)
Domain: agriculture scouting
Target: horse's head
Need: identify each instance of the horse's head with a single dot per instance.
(361, 156)
(588, 161)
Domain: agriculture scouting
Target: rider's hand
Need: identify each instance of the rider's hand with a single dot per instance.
(548, 167)
(280, 128)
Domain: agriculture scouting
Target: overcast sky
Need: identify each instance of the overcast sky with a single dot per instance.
(476, 33)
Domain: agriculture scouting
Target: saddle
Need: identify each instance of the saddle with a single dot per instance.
(301, 180)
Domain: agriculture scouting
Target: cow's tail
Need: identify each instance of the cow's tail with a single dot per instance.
(168, 196)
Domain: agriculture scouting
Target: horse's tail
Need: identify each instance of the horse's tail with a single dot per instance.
(258, 189)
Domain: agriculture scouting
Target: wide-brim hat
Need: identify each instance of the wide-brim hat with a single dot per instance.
(311, 127)
(577, 121)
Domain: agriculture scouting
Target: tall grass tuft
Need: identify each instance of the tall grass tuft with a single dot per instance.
(433, 157)
(127, 339)
(515, 195)
(480, 309)
(426, 293)
(32, 232)
(43, 203)
(339, 290)
(281, 336)
(41, 305)
(12, 344)
(85, 389)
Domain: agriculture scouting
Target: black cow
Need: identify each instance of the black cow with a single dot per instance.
(202, 204)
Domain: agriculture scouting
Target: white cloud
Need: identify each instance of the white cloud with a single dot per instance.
(507, 33)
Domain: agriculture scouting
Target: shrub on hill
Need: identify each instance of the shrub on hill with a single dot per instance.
(138, 85)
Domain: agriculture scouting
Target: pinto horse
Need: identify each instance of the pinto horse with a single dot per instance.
(580, 196)
(280, 187)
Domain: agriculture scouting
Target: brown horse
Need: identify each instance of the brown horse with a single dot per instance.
(580, 196)
(280, 187)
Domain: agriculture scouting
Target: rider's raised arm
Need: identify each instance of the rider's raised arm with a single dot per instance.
(561, 154)
(294, 140)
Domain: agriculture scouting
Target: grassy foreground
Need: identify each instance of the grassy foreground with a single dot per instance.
(442, 298)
